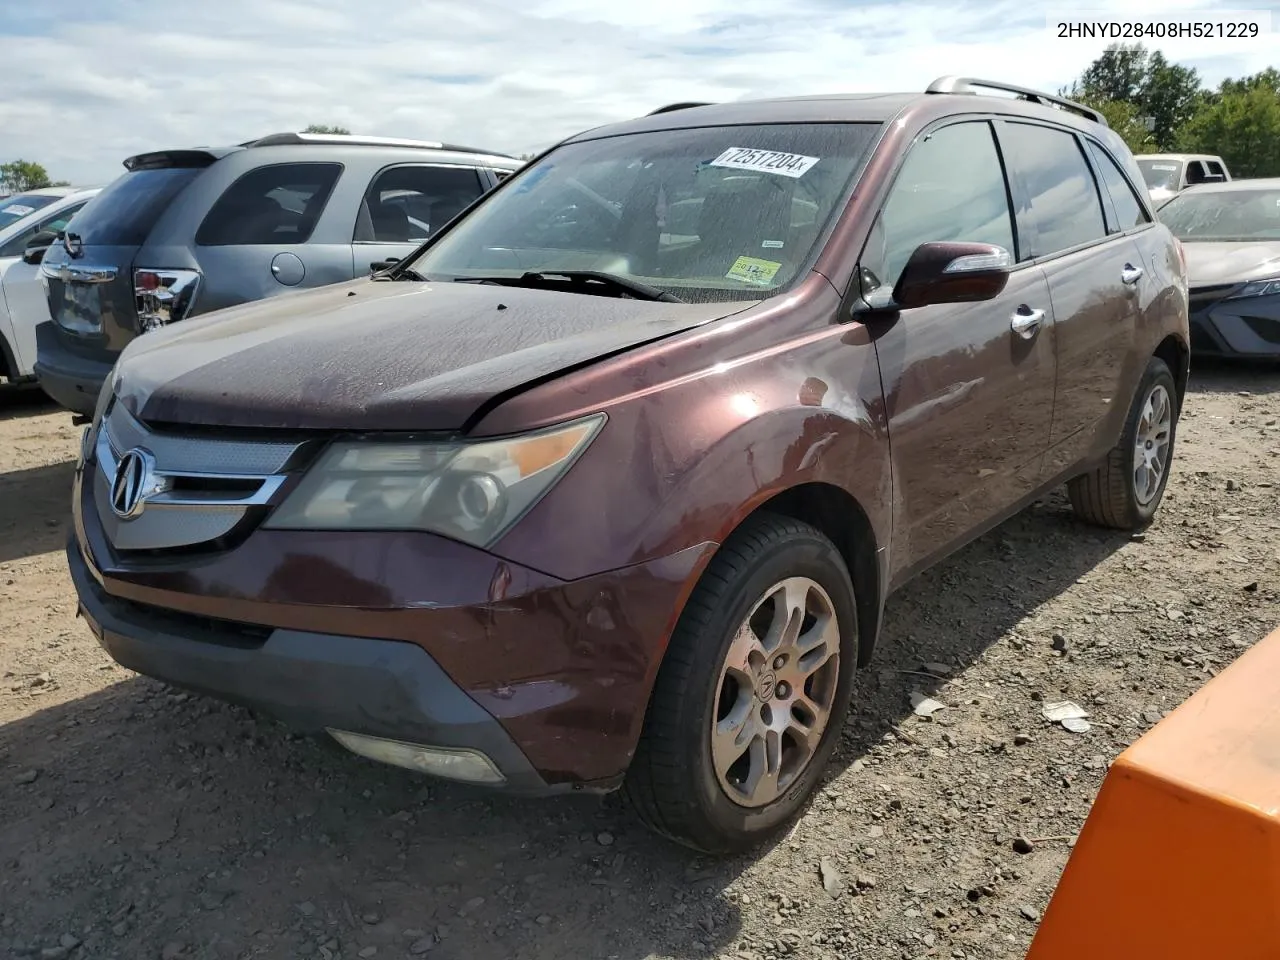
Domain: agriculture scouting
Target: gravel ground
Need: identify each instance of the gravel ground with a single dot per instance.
(137, 821)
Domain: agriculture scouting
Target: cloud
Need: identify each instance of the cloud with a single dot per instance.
(88, 85)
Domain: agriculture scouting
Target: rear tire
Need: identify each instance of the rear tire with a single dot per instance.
(1125, 490)
(759, 667)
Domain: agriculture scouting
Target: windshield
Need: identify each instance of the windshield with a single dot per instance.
(714, 213)
(1161, 174)
(13, 209)
(1224, 215)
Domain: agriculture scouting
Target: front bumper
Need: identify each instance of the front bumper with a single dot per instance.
(377, 632)
(1246, 327)
(74, 381)
(312, 681)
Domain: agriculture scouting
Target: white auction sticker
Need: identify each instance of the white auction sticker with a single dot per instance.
(765, 161)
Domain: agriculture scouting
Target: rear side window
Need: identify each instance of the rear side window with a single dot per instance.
(1065, 204)
(409, 203)
(278, 204)
(1129, 212)
(124, 213)
(13, 209)
(951, 187)
(1216, 169)
(49, 224)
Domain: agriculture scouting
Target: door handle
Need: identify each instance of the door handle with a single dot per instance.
(1130, 274)
(1026, 322)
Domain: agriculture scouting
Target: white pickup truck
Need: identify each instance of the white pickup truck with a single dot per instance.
(1167, 174)
(29, 223)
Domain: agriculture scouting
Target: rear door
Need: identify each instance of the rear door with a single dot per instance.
(90, 274)
(407, 203)
(1093, 275)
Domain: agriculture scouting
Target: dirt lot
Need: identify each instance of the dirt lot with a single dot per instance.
(136, 821)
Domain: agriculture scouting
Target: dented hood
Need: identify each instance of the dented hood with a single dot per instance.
(381, 355)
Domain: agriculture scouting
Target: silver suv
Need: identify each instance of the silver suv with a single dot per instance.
(184, 232)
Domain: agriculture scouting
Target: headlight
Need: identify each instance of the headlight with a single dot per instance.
(471, 492)
(1258, 288)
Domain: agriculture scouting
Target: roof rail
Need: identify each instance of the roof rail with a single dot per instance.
(969, 85)
(296, 139)
(677, 106)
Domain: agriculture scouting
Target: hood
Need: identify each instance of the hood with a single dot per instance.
(381, 355)
(1231, 262)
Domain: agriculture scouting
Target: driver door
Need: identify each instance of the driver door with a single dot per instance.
(969, 387)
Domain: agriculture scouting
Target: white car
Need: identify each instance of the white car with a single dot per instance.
(23, 218)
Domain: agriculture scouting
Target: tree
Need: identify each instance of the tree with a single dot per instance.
(325, 128)
(1241, 124)
(1123, 118)
(1166, 92)
(23, 175)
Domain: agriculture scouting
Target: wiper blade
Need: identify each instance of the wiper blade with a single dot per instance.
(539, 278)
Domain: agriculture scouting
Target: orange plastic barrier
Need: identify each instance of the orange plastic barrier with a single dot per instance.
(1180, 855)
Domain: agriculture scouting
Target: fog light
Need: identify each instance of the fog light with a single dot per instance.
(452, 763)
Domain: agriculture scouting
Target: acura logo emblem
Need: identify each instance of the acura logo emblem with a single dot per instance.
(133, 481)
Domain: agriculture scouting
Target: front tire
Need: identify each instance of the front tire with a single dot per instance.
(753, 691)
(1125, 490)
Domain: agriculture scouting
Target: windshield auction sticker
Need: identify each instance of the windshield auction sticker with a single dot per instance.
(765, 161)
(752, 270)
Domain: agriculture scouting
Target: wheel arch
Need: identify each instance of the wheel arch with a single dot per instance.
(1177, 355)
(840, 517)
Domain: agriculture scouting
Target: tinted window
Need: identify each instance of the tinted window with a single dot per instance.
(711, 213)
(410, 203)
(1064, 197)
(54, 224)
(951, 187)
(1217, 169)
(280, 204)
(1224, 215)
(124, 213)
(1129, 212)
(13, 209)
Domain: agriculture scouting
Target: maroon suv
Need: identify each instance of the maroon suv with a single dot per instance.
(607, 484)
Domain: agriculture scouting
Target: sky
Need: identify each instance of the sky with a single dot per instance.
(88, 84)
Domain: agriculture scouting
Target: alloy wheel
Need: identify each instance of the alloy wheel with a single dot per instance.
(1151, 444)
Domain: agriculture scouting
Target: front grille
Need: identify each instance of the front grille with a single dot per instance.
(196, 490)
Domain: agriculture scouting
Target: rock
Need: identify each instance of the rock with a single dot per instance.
(543, 920)
(370, 918)
(1029, 913)
(419, 947)
(832, 881)
(307, 908)
(924, 706)
(54, 953)
(865, 882)
(26, 776)
(368, 952)
(1059, 643)
(876, 832)
(120, 929)
(1232, 486)
(172, 950)
(1021, 740)
(69, 941)
(473, 904)
(604, 838)
(1022, 845)
(1250, 587)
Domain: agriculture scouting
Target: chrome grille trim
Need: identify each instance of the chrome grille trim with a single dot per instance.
(190, 504)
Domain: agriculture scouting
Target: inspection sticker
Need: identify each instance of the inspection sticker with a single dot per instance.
(766, 161)
(752, 270)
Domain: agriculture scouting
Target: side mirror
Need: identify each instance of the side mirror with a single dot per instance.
(952, 273)
(38, 246)
(379, 265)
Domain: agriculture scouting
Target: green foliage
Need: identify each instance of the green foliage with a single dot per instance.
(325, 128)
(1166, 92)
(23, 175)
(1241, 125)
(1123, 118)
